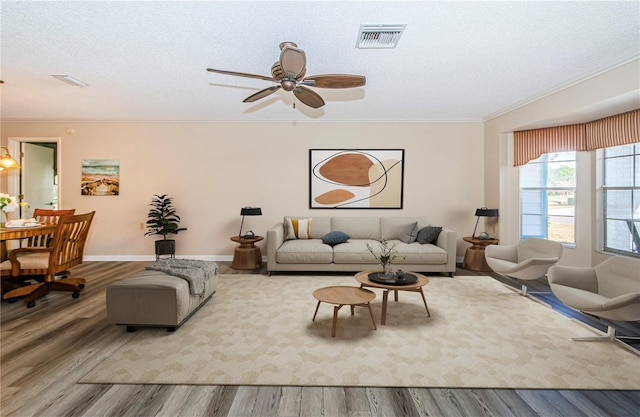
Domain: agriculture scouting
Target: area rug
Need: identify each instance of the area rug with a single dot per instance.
(257, 330)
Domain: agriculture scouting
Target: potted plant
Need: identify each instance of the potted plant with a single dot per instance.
(162, 219)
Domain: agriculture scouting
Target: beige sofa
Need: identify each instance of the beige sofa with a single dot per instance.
(310, 253)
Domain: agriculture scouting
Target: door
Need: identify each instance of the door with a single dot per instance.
(38, 179)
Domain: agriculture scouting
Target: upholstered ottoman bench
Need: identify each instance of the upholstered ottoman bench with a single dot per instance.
(156, 299)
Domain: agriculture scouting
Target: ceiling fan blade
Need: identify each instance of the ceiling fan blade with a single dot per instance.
(293, 60)
(336, 80)
(261, 94)
(308, 97)
(242, 74)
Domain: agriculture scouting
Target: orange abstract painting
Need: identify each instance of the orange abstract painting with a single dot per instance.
(350, 178)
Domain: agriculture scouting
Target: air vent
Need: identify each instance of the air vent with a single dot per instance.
(379, 36)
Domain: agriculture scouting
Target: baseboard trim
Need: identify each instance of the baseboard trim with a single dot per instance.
(151, 258)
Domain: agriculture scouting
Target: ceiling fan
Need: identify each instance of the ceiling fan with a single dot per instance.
(289, 73)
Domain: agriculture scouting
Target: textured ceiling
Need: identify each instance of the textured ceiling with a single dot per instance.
(455, 61)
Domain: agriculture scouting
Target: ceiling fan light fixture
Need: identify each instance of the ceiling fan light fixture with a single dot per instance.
(379, 36)
(71, 80)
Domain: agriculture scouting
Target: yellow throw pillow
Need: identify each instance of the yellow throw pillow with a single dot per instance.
(298, 228)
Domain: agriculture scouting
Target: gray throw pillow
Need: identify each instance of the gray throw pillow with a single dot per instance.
(335, 237)
(409, 233)
(428, 234)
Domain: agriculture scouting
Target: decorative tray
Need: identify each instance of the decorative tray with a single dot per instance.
(405, 279)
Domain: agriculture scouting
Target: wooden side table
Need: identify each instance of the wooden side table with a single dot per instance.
(247, 255)
(344, 296)
(474, 259)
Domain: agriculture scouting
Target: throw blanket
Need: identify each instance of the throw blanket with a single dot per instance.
(195, 272)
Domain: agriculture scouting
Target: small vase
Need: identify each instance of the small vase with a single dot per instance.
(7, 216)
(387, 271)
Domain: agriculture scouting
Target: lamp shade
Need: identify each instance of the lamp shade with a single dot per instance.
(6, 161)
(483, 212)
(486, 212)
(248, 211)
(251, 211)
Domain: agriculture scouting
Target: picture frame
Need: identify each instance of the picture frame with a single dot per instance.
(356, 178)
(100, 177)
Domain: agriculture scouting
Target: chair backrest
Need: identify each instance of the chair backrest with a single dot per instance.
(618, 275)
(533, 247)
(68, 241)
(46, 216)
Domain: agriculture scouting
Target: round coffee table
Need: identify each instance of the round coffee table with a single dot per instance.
(363, 279)
(342, 296)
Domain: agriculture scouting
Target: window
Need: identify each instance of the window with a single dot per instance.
(548, 196)
(621, 198)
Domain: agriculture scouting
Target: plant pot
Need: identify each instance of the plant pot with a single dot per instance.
(165, 247)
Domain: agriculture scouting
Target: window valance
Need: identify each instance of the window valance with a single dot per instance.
(620, 129)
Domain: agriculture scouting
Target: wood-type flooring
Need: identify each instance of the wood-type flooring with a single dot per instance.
(45, 350)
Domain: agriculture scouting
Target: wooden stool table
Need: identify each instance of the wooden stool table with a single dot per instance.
(474, 259)
(247, 255)
(342, 296)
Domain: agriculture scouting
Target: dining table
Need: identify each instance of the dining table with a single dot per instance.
(22, 232)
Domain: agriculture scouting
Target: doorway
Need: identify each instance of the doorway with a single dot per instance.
(37, 181)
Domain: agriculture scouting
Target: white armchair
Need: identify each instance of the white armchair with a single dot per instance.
(610, 290)
(528, 260)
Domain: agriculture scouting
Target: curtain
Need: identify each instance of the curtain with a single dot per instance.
(530, 144)
(620, 129)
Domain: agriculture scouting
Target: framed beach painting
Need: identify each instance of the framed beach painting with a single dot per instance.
(100, 177)
(356, 179)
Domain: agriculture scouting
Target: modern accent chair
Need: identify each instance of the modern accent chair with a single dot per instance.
(65, 251)
(530, 259)
(610, 290)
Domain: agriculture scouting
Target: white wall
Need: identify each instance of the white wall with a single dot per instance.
(212, 169)
(501, 177)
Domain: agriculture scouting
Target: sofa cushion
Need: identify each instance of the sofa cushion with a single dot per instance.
(358, 227)
(391, 227)
(416, 253)
(297, 228)
(304, 251)
(428, 234)
(409, 233)
(355, 251)
(336, 237)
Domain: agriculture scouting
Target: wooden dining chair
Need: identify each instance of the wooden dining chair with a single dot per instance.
(43, 216)
(65, 251)
(46, 216)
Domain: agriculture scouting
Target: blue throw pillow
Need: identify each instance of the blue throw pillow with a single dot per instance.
(335, 237)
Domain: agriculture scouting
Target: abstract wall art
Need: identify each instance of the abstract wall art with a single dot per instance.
(356, 178)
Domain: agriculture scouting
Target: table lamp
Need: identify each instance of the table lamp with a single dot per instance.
(484, 212)
(248, 211)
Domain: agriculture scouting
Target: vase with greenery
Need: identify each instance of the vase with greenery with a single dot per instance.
(385, 255)
(163, 220)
